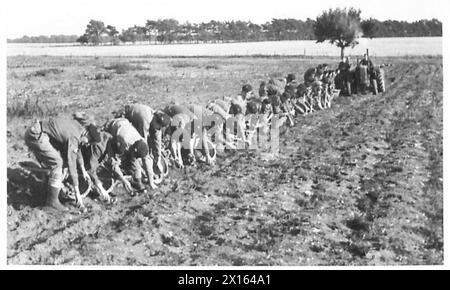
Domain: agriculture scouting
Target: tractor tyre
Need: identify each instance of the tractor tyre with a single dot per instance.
(380, 81)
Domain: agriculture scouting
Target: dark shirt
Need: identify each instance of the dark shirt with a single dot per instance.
(65, 135)
(367, 63)
(310, 75)
(97, 153)
(344, 66)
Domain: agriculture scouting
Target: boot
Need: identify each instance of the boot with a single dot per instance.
(52, 199)
(137, 184)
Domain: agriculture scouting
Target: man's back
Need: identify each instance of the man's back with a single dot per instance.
(179, 109)
(61, 130)
(139, 113)
(121, 127)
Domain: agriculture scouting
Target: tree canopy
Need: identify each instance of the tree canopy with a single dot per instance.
(341, 27)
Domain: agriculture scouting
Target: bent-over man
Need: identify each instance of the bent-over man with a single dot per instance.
(56, 142)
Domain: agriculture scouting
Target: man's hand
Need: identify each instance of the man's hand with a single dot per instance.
(103, 193)
(79, 200)
(151, 182)
(180, 162)
(152, 185)
(105, 196)
(86, 177)
(127, 186)
(209, 160)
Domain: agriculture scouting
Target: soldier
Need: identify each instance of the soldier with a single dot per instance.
(344, 65)
(266, 107)
(150, 124)
(344, 78)
(95, 154)
(246, 92)
(266, 110)
(183, 130)
(133, 152)
(254, 106)
(262, 90)
(241, 99)
(309, 76)
(274, 93)
(286, 108)
(224, 111)
(207, 118)
(290, 90)
(320, 70)
(317, 93)
(56, 142)
(278, 82)
(299, 100)
(367, 62)
(290, 78)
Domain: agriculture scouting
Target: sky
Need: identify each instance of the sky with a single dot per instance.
(47, 17)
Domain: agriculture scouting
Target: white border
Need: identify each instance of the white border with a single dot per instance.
(3, 176)
(3, 160)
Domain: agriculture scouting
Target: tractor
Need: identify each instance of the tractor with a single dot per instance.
(369, 78)
(365, 77)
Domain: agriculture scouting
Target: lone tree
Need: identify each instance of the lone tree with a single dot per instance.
(341, 27)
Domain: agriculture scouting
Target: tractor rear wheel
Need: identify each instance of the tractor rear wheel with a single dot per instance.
(380, 81)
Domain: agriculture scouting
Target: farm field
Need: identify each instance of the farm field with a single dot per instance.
(394, 46)
(357, 184)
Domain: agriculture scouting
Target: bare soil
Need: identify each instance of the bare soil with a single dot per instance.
(357, 184)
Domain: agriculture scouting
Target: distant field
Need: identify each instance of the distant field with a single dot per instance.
(377, 46)
(360, 183)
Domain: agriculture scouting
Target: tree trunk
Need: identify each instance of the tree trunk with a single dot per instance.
(342, 52)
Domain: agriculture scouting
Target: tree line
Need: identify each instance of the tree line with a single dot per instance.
(167, 31)
(46, 39)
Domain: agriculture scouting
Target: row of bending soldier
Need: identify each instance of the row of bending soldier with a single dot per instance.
(132, 142)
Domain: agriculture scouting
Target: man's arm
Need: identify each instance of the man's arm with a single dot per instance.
(241, 129)
(80, 164)
(72, 160)
(209, 161)
(114, 163)
(94, 155)
(148, 167)
(154, 141)
(175, 147)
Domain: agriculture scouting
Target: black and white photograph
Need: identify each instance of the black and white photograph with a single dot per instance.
(241, 134)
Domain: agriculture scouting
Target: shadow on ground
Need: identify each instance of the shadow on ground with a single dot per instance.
(25, 188)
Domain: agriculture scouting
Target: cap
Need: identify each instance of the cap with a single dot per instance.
(253, 107)
(290, 78)
(162, 119)
(247, 88)
(94, 132)
(140, 148)
(118, 145)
